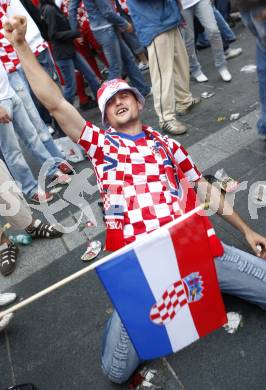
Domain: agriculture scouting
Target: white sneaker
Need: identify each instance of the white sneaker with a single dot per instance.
(143, 67)
(231, 53)
(51, 129)
(201, 78)
(7, 298)
(173, 127)
(5, 321)
(225, 75)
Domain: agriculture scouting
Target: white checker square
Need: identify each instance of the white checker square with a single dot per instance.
(128, 231)
(92, 150)
(155, 186)
(129, 190)
(128, 168)
(135, 215)
(123, 150)
(151, 224)
(145, 199)
(152, 169)
(137, 159)
(139, 179)
(144, 150)
(180, 156)
(162, 210)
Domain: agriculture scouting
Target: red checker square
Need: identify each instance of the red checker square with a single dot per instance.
(148, 212)
(172, 293)
(183, 303)
(139, 228)
(95, 137)
(172, 315)
(155, 316)
(186, 165)
(113, 149)
(165, 316)
(180, 293)
(169, 305)
(176, 303)
(161, 307)
(165, 295)
(138, 169)
(119, 175)
(178, 283)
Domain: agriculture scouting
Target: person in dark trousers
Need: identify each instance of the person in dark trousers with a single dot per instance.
(65, 55)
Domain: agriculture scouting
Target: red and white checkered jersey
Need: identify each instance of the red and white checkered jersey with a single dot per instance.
(138, 164)
(8, 54)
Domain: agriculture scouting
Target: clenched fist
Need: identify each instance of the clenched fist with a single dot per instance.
(15, 30)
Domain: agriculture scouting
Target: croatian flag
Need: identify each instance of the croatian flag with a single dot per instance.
(165, 289)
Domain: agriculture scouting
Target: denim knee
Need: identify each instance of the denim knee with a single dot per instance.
(119, 359)
(116, 367)
(213, 33)
(243, 275)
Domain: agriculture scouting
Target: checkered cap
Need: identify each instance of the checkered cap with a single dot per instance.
(109, 89)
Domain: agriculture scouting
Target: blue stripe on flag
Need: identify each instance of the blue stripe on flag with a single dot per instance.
(128, 288)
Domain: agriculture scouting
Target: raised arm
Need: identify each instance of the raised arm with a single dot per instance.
(42, 85)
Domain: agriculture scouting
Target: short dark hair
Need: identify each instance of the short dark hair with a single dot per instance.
(247, 5)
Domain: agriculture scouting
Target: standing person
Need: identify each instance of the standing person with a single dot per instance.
(65, 55)
(131, 38)
(227, 35)
(203, 10)
(136, 165)
(106, 25)
(254, 16)
(157, 24)
(14, 121)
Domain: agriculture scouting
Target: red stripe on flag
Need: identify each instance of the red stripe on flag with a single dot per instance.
(193, 255)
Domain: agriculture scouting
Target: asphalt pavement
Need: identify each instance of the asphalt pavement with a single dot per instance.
(55, 342)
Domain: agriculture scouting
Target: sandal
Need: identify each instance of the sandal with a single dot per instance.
(92, 251)
(8, 257)
(42, 230)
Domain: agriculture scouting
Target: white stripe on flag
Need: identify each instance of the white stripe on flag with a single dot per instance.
(159, 265)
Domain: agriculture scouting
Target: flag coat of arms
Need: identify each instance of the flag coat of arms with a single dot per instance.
(165, 289)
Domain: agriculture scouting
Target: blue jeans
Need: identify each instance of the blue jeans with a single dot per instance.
(120, 58)
(239, 274)
(204, 12)
(68, 66)
(22, 126)
(258, 29)
(21, 88)
(224, 7)
(227, 33)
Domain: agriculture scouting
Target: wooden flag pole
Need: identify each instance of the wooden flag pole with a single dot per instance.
(91, 267)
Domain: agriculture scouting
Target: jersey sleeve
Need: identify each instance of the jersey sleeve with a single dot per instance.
(92, 140)
(185, 162)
